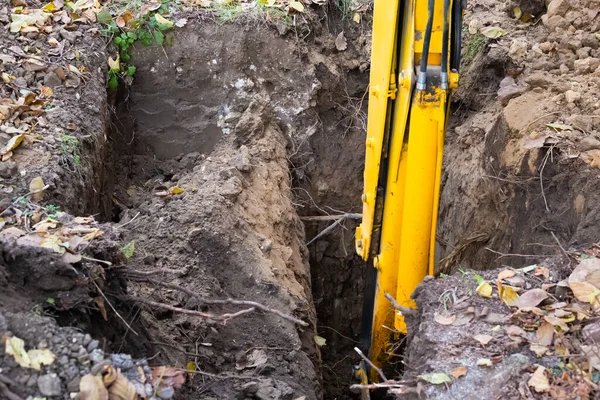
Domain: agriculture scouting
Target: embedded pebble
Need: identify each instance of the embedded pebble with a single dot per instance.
(49, 385)
(93, 345)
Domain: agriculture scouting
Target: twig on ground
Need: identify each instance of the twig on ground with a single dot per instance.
(397, 306)
(154, 272)
(560, 246)
(111, 306)
(96, 260)
(252, 304)
(226, 376)
(215, 317)
(387, 384)
(8, 393)
(331, 217)
(340, 219)
(379, 371)
(14, 203)
(518, 255)
(544, 161)
(128, 222)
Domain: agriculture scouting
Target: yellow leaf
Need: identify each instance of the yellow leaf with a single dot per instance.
(192, 367)
(518, 13)
(493, 32)
(53, 242)
(20, 21)
(539, 380)
(46, 91)
(320, 341)
(16, 348)
(163, 21)
(50, 7)
(507, 294)
(484, 362)
(296, 5)
(507, 273)
(13, 143)
(93, 234)
(356, 18)
(40, 357)
(114, 64)
(484, 290)
(36, 187)
(176, 190)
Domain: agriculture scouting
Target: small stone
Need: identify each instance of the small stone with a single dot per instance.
(52, 80)
(49, 385)
(583, 52)
(232, 116)
(122, 361)
(73, 385)
(96, 356)
(564, 69)
(555, 21)
(538, 79)
(93, 345)
(266, 246)
(250, 388)
(558, 7)
(63, 360)
(165, 392)
(8, 170)
(87, 339)
(508, 92)
(70, 36)
(518, 48)
(547, 47)
(572, 96)
(32, 381)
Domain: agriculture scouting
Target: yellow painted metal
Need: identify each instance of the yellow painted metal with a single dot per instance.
(412, 162)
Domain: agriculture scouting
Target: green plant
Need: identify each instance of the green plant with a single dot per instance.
(70, 149)
(147, 29)
(345, 7)
(51, 210)
(474, 47)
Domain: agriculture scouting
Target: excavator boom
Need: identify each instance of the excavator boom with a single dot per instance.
(414, 63)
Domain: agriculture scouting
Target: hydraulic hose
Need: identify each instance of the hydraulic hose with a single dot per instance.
(422, 79)
(445, 38)
(457, 17)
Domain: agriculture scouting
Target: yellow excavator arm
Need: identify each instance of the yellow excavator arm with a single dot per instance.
(414, 65)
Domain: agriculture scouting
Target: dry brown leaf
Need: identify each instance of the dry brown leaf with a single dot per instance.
(36, 187)
(539, 380)
(555, 321)
(92, 388)
(444, 320)
(100, 303)
(515, 331)
(530, 298)
(340, 42)
(585, 292)
(459, 372)
(588, 271)
(122, 389)
(507, 273)
(542, 271)
(538, 349)
(167, 376)
(483, 339)
(109, 375)
(545, 334)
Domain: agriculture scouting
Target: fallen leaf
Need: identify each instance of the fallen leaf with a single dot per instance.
(529, 268)
(46, 91)
(484, 290)
(507, 294)
(517, 12)
(122, 389)
(176, 190)
(545, 334)
(13, 143)
(40, 357)
(167, 376)
(459, 372)
(436, 378)
(356, 18)
(53, 242)
(340, 42)
(128, 249)
(93, 234)
(560, 127)
(483, 339)
(515, 331)
(538, 349)
(585, 292)
(114, 64)
(92, 388)
(493, 32)
(539, 380)
(474, 25)
(100, 303)
(36, 187)
(507, 273)
(531, 298)
(163, 21)
(444, 320)
(20, 21)
(296, 5)
(320, 341)
(587, 270)
(181, 22)
(535, 140)
(555, 321)
(543, 271)
(16, 348)
(484, 362)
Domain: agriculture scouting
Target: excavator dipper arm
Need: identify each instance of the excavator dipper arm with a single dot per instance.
(414, 62)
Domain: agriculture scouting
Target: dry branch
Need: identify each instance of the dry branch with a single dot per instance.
(8, 394)
(247, 303)
(215, 317)
(379, 371)
(331, 217)
(397, 306)
(338, 220)
(111, 306)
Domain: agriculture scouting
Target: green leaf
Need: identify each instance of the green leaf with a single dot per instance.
(479, 279)
(131, 35)
(528, 269)
(131, 70)
(129, 249)
(159, 37)
(104, 17)
(493, 32)
(437, 378)
(50, 300)
(118, 40)
(125, 57)
(113, 83)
